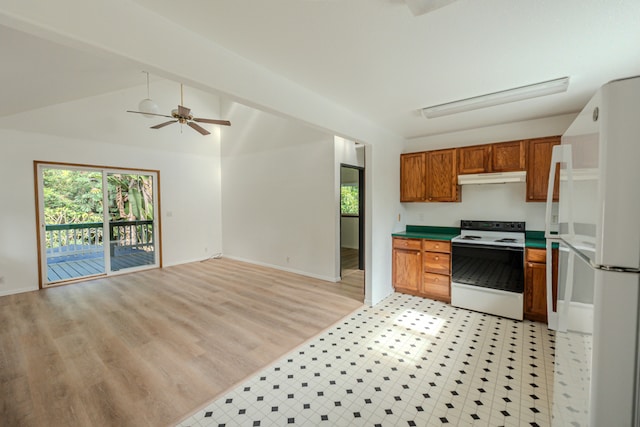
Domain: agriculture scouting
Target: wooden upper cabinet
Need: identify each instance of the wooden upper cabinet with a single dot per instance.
(442, 176)
(476, 159)
(412, 177)
(509, 156)
(539, 163)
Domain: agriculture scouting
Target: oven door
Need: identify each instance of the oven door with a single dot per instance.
(493, 267)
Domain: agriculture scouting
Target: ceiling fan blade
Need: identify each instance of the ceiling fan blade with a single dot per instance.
(183, 111)
(213, 121)
(420, 7)
(199, 128)
(161, 125)
(148, 114)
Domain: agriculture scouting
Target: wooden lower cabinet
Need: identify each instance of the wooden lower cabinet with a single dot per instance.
(422, 267)
(407, 265)
(436, 256)
(535, 283)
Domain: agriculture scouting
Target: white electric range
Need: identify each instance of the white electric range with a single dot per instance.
(487, 263)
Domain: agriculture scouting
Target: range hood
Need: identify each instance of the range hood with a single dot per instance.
(492, 178)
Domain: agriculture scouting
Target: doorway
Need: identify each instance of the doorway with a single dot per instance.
(95, 221)
(352, 226)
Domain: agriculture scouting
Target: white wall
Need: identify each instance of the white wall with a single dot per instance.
(278, 205)
(349, 232)
(500, 202)
(190, 183)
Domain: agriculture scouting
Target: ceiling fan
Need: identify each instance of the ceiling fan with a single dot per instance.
(183, 116)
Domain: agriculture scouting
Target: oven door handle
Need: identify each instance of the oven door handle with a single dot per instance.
(490, 247)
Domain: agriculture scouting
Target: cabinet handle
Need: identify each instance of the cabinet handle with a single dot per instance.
(437, 258)
(530, 265)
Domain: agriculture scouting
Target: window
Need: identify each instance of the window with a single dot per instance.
(349, 200)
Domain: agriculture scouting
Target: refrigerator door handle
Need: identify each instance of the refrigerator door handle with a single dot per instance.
(560, 154)
(552, 315)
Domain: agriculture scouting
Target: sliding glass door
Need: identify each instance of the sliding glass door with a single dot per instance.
(95, 221)
(131, 220)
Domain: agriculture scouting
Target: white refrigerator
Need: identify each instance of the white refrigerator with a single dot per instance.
(595, 226)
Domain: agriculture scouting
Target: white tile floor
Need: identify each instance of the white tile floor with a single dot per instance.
(408, 361)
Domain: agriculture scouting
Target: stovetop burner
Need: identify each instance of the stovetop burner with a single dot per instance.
(494, 233)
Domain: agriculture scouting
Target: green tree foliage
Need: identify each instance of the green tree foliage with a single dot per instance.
(72, 196)
(130, 197)
(349, 200)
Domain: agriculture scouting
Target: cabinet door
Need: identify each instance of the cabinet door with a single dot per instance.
(407, 270)
(535, 292)
(436, 246)
(442, 176)
(508, 156)
(436, 262)
(538, 169)
(412, 177)
(437, 286)
(474, 159)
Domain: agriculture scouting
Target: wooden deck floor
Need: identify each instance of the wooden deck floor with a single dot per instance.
(149, 348)
(66, 270)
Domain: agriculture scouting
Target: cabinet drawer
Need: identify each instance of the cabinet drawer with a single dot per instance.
(436, 246)
(406, 243)
(436, 262)
(437, 285)
(537, 255)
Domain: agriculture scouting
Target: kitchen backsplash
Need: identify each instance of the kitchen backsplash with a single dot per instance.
(502, 202)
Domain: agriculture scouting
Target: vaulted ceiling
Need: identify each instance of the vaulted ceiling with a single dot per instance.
(374, 57)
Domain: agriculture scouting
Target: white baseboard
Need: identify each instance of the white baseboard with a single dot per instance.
(288, 270)
(17, 291)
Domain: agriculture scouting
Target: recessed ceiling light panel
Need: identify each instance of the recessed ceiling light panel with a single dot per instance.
(548, 87)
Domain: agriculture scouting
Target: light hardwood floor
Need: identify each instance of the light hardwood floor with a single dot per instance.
(149, 348)
(352, 278)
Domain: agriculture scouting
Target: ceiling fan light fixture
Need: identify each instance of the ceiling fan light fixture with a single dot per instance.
(148, 105)
(521, 93)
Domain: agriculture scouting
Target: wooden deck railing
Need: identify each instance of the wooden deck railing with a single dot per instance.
(64, 240)
(86, 239)
(129, 236)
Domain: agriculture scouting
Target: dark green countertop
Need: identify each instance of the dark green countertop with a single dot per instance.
(533, 239)
(428, 232)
